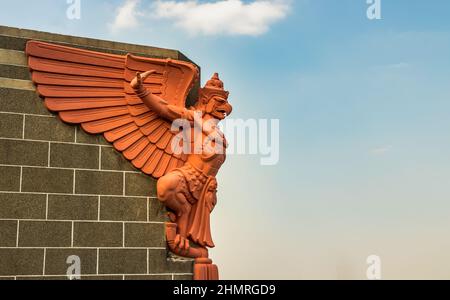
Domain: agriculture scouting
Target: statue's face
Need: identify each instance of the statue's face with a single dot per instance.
(219, 107)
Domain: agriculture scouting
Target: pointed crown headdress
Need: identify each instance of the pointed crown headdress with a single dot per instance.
(214, 87)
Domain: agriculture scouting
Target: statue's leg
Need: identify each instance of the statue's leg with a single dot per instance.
(171, 191)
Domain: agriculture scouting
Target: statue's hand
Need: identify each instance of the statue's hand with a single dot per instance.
(137, 82)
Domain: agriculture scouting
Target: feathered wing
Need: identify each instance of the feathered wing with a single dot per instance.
(92, 89)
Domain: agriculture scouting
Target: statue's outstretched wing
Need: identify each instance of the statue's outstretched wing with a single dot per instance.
(92, 89)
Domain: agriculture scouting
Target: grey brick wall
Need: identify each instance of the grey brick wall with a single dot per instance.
(64, 192)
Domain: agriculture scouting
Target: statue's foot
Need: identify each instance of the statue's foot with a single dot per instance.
(182, 242)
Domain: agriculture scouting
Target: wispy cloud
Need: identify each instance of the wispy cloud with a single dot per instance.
(381, 150)
(126, 16)
(224, 17)
(390, 67)
(229, 17)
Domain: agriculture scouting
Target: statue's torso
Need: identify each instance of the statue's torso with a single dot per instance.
(211, 158)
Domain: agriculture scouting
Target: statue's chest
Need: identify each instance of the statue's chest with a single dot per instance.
(211, 147)
(214, 150)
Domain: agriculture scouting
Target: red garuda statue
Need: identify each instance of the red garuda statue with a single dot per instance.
(139, 105)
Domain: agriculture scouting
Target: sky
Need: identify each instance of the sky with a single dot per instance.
(364, 116)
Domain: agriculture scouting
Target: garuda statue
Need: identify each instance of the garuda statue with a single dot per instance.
(134, 101)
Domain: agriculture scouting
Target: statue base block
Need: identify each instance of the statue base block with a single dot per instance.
(204, 269)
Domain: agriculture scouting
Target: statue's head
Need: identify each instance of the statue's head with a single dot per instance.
(213, 99)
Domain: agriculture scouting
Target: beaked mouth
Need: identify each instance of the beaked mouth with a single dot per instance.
(222, 112)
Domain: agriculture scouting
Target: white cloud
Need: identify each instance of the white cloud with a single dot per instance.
(225, 17)
(381, 150)
(126, 16)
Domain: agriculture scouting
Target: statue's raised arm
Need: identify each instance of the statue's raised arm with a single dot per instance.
(156, 103)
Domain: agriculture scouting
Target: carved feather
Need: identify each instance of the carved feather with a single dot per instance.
(92, 89)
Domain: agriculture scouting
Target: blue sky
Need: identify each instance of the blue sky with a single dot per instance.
(365, 120)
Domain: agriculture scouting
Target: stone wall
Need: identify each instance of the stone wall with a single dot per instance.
(64, 192)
